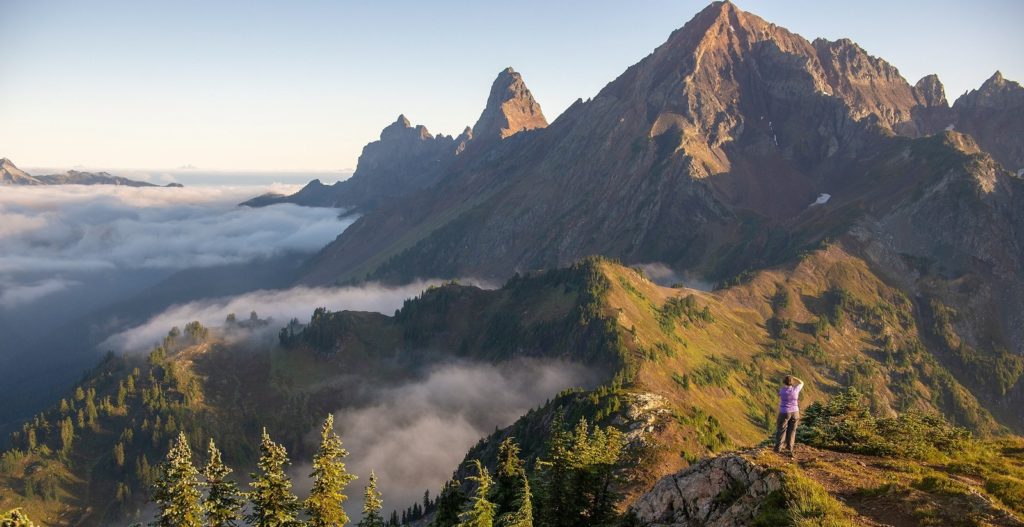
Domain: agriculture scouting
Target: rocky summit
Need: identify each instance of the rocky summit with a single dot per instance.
(510, 109)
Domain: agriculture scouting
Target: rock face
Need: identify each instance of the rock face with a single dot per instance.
(718, 492)
(510, 109)
(12, 175)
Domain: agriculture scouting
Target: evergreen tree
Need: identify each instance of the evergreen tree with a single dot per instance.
(330, 478)
(578, 477)
(522, 515)
(512, 498)
(119, 454)
(273, 504)
(555, 497)
(67, 435)
(372, 504)
(223, 505)
(508, 478)
(449, 504)
(394, 518)
(481, 512)
(177, 491)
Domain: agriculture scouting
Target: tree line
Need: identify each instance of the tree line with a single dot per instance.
(575, 486)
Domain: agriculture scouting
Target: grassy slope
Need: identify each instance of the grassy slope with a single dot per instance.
(836, 488)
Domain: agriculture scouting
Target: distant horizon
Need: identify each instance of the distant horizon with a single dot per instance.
(303, 87)
(203, 177)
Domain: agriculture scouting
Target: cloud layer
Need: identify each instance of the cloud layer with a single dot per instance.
(52, 235)
(281, 305)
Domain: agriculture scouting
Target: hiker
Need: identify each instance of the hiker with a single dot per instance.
(789, 413)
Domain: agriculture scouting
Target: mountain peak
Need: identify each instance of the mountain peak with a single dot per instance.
(931, 91)
(510, 109)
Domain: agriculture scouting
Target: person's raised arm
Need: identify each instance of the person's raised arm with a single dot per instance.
(799, 384)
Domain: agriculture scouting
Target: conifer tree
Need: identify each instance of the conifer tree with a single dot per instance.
(273, 503)
(372, 505)
(330, 478)
(553, 510)
(481, 512)
(508, 478)
(522, 515)
(223, 505)
(512, 498)
(449, 504)
(177, 489)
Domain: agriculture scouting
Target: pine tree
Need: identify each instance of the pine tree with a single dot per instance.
(177, 489)
(513, 500)
(330, 478)
(67, 435)
(372, 504)
(522, 516)
(508, 478)
(119, 454)
(578, 477)
(449, 504)
(223, 505)
(481, 512)
(273, 504)
(555, 497)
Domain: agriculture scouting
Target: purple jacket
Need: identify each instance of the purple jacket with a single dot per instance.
(789, 399)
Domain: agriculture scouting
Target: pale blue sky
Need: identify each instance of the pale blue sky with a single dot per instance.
(305, 84)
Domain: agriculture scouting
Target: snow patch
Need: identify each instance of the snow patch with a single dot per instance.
(822, 199)
(950, 128)
(1020, 173)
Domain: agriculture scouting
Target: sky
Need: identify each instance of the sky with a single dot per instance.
(303, 85)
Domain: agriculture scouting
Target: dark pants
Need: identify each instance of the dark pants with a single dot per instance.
(785, 428)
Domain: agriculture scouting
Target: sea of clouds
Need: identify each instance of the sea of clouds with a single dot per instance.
(52, 238)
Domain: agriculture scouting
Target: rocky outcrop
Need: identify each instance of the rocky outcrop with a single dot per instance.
(718, 492)
(510, 109)
(404, 160)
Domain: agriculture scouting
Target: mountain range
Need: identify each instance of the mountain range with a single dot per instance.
(12, 175)
(712, 155)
